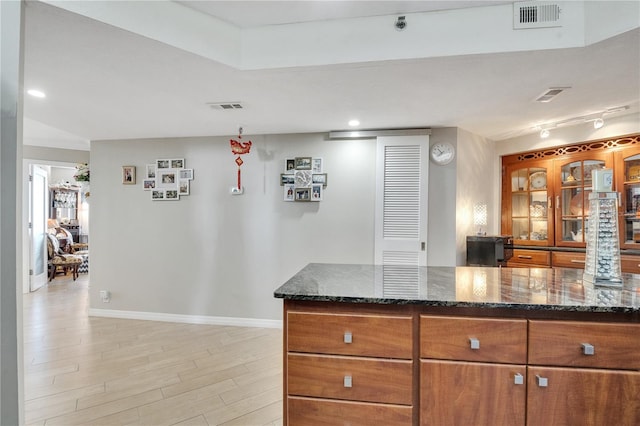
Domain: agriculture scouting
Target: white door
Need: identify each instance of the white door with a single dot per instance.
(38, 215)
(401, 200)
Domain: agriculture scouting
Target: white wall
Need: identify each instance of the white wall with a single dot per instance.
(476, 184)
(214, 254)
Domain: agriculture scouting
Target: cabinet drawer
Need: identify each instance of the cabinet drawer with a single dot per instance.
(371, 380)
(317, 412)
(561, 343)
(562, 259)
(630, 264)
(369, 335)
(534, 258)
(498, 340)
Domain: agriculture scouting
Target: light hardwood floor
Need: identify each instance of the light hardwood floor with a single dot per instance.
(82, 370)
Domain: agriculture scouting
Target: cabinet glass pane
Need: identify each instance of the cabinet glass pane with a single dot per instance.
(574, 199)
(631, 192)
(529, 204)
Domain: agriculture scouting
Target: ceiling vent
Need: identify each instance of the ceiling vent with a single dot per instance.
(225, 105)
(549, 94)
(536, 14)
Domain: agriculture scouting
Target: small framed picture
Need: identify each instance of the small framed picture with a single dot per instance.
(150, 171)
(167, 179)
(319, 178)
(303, 163)
(148, 184)
(157, 194)
(163, 164)
(316, 165)
(183, 187)
(186, 174)
(286, 179)
(171, 194)
(129, 175)
(177, 163)
(290, 166)
(303, 194)
(289, 192)
(316, 192)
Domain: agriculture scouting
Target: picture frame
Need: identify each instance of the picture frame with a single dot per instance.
(167, 179)
(316, 165)
(177, 163)
(183, 187)
(148, 184)
(163, 163)
(302, 194)
(150, 172)
(303, 163)
(289, 191)
(290, 165)
(287, 179)
(171, 194)
(157, 194)
(319, 178)
(186, 174)
(303, 178)
(316, 192)
(128, 175)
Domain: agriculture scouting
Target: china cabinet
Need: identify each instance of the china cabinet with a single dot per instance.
(545, 200)
(63, 203)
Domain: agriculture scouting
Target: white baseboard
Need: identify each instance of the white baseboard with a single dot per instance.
(189, 319)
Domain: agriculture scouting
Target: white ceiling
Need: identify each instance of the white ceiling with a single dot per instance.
(103, 82)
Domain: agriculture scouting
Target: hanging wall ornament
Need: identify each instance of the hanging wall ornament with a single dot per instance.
(239, 148)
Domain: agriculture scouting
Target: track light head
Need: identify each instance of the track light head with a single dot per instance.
(598, 123)
(544, 133)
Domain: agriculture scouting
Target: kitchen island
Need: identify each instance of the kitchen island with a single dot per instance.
(398, 345)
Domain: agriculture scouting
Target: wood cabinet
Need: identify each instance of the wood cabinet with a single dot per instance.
(447, 368)
(579, 370)
(488, 391)
(545, 194)
(349, 367)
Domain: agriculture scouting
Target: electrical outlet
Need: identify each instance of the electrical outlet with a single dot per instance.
(105, 295)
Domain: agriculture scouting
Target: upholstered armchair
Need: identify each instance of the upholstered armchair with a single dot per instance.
(60, 261)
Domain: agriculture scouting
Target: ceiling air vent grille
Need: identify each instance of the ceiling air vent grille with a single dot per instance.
(533, 14)
(225, 105)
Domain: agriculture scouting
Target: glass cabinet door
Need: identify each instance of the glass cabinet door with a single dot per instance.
(572, 201)
(529, 205)
(630, 206)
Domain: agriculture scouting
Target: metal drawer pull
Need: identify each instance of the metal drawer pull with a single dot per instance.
(577, 261)
(348, 338)
(588, 349)
(474, 343)
(347, 381)
(522, 256)
(542, 381)
(518, 379)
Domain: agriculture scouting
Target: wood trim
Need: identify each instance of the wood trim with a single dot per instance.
(597, 145)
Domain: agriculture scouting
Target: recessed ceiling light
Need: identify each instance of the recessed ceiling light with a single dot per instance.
(36, 93)
(354, 123)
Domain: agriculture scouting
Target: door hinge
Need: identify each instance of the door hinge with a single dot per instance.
(30, 178)
(30, 271)
(30, 225)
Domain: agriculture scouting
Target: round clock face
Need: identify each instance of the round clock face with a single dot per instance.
(442, 153)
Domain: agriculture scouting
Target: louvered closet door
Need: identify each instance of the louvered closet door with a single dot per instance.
(401, 200)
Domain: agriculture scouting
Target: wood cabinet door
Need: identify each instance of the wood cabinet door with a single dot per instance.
(526, 198)
(576, 396)
(466, 393)
(627, 180)
(572, 185)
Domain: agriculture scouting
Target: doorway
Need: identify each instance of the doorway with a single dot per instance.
(40, 204)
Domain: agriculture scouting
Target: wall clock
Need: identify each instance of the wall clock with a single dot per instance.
(442, 153)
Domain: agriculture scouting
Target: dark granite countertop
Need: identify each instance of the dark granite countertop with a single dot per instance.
(556, 289)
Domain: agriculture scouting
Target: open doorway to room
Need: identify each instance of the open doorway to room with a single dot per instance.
(56, 207)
